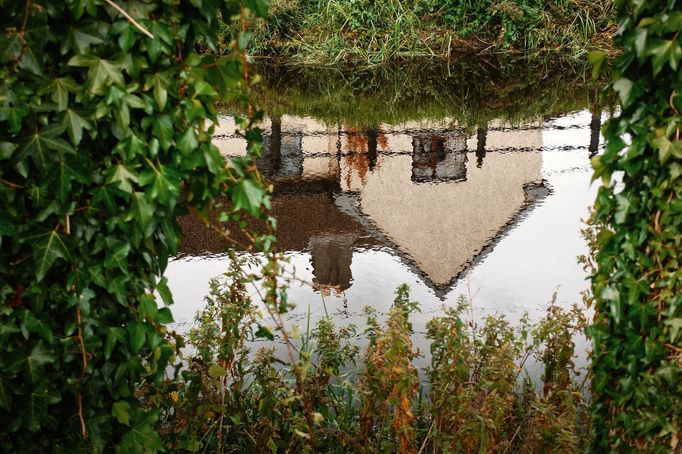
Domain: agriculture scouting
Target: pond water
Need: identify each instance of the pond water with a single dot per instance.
(479, 197)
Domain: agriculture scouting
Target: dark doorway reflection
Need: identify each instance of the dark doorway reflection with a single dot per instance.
(332, 255)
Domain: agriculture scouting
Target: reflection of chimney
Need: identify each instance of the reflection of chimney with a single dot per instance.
(372, 135)
(481, 136)
(331, 256)
(595, 129)
(282, 156)
(270, 159)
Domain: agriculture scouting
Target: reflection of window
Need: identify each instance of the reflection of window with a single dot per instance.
(438, 157)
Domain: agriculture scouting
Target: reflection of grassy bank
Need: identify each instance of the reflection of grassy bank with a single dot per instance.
(471, 92)
(329, 31)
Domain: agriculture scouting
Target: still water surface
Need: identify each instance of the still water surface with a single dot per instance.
(489, 211)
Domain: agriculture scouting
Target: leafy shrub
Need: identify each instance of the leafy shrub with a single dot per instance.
(105, 137)
(309, 395)
(637, 282)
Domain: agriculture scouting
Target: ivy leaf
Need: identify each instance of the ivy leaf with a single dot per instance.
(6, 227)
(665, 147)
(164, 316)
(260, 7)
(136, 334)
(60, 88)
(664, 51)
(123, 177)
(15, 115)
(38, 147)
(121, 411)
(204, 89)
(39, 356)
(80, 41)
(164, 291)
(11, 47)
(143, 210)
(160, 83)
(142, 433)
(248, 195)
(48, 247)
(163, 130)
(627, 90)
(101, 73)
(188, 142)
(114, 334)
(74, 125)
(165, 185)
(38, 406)
(70, 168)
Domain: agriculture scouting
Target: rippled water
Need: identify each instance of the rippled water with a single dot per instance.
(492, 213)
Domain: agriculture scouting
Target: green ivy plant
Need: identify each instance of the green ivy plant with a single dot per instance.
(637, 283)
(106, 117)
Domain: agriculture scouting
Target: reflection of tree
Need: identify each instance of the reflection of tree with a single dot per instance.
(481, 137)
(363, 149)
(595, 129)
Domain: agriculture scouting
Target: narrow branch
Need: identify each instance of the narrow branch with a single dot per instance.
(130, 19)
(26, 13)
(84, 366)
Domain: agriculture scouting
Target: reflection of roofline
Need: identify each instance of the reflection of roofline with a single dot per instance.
(349, 203)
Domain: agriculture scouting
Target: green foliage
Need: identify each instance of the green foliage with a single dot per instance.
(307, 393)
(329, 31)
(389, 383)
(105, 137)
(637, 282)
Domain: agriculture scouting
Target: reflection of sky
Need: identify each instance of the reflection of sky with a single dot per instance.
(535, 258)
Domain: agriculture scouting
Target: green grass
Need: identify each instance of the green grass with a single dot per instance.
(367, 31)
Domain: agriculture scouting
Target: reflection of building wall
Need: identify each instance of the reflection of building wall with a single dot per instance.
(475, 186)
(499, 140)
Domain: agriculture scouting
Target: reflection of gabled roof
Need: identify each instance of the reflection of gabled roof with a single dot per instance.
(534, 194)
(441, 228)
(419, 189)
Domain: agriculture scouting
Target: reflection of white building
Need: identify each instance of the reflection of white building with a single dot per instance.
(437, 194)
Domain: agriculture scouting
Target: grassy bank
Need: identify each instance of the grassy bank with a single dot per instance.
(367, 31)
